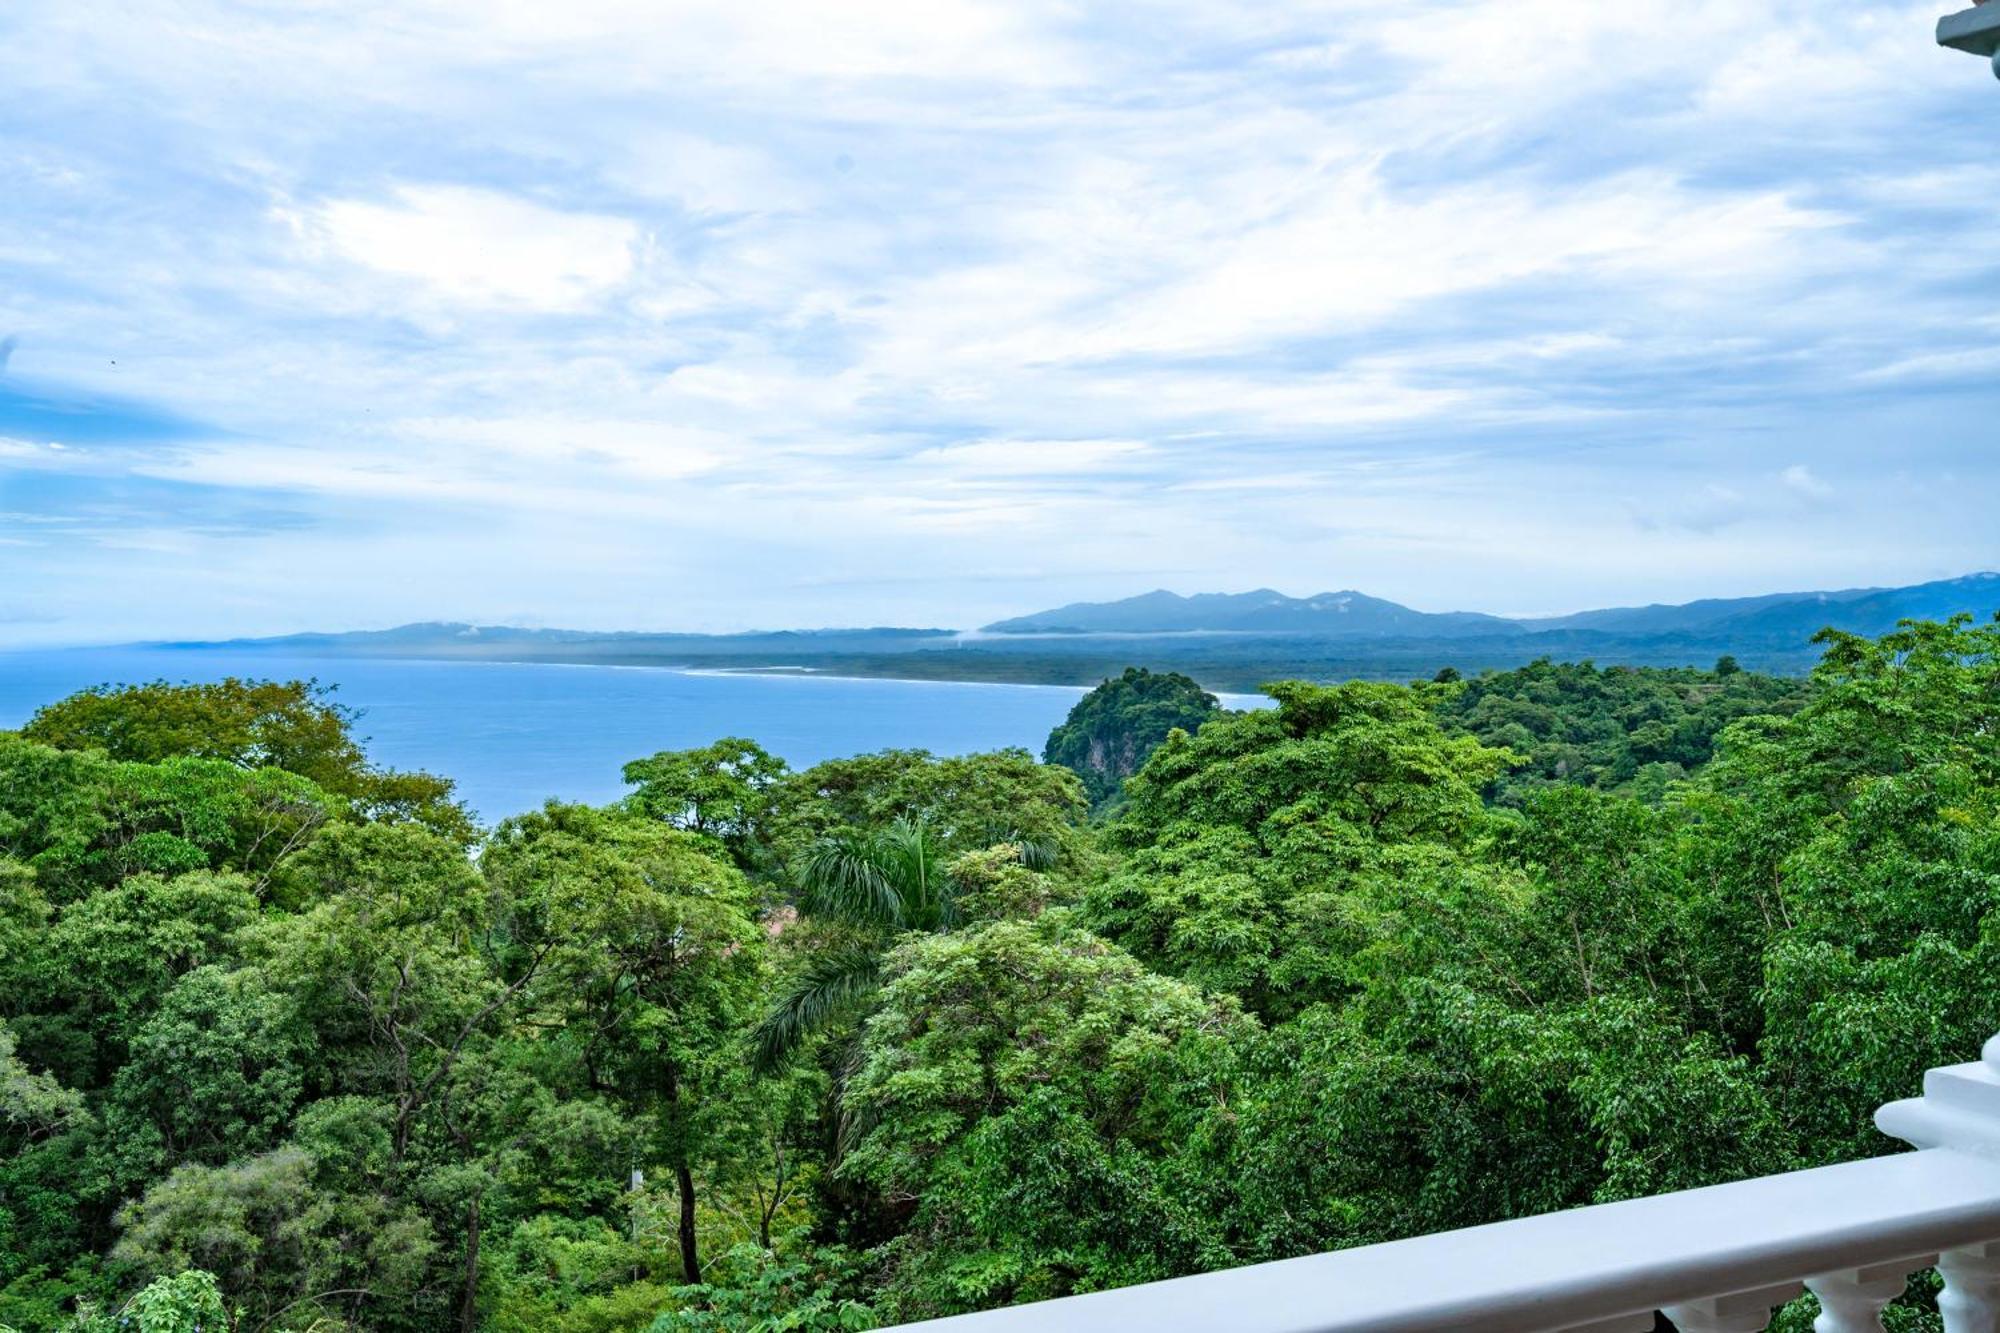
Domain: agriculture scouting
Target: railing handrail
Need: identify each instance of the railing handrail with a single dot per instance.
(1562, 1270)
(1976, 30)
(1609, 1266)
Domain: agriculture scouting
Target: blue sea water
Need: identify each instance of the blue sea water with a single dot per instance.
(512, 735)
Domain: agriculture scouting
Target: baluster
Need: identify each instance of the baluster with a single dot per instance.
(1971, 1299)
(1739, 1312)
(1624, 1323)
(1853, 1301)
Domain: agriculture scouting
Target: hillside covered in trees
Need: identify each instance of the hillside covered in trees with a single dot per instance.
(1233, 642)
(287, 1043)
(1114, 729)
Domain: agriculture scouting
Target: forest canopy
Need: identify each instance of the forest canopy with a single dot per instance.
(1112, 729)
(287, 1043)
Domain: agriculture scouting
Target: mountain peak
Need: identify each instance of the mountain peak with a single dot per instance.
(1345, 614)
(1349, 614)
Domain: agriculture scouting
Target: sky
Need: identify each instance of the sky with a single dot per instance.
(328, 314)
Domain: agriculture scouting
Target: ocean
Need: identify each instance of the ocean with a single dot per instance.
(513, 735)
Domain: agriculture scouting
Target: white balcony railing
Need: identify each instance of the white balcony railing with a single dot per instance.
(1714, 1260)
(1976, 30)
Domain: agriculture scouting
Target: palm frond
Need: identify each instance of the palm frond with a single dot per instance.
(842, 877)
(1036, 855)
(914, 862)
(831, 986)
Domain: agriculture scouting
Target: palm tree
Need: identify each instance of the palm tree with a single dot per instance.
(890, 879)
(875, 885)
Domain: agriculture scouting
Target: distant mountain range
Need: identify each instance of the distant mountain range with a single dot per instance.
(1355, 615)
(452, 638)
(1334, 615)
(1227, 641)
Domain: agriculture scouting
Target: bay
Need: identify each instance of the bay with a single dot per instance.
(512, 735)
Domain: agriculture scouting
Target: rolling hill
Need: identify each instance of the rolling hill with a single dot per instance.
(1351, 615)
(1342, 615)
(1225, 641)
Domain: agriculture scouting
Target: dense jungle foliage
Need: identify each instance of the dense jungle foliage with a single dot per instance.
(286, 1043)
(1113, 729)
(1628, 729)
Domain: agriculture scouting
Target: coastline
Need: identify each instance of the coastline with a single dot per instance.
(1231, 698)
(1223, 664)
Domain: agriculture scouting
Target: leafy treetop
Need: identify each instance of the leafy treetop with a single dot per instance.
(1112, 729)
(293, 725)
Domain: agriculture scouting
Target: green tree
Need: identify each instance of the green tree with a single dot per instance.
(418, 981)
(1927, 693)
(553, 1272)
(967, 801)
(104, 965)
(295, 726)
(1873, 814)
(82, 822)
(866, 887)
(823, 1291)
(46, 1133)
(187, 1302)
(1112, 729)
(1044, 1103)
(213, 1075)
(1256, 848)
(725, 791)
(1432, 1105)
(657, 965)
(1616, 728)
(254, 724)
(277, 1242)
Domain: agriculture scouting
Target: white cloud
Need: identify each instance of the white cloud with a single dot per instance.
(481, 247)
(1959, 364)
(1437, 296)
(633, 450)
(707, 176)
(942, 40)
(41, 454)
(1032, 457)
(1799, 478)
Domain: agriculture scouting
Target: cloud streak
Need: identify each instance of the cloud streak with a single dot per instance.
(878, 312)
